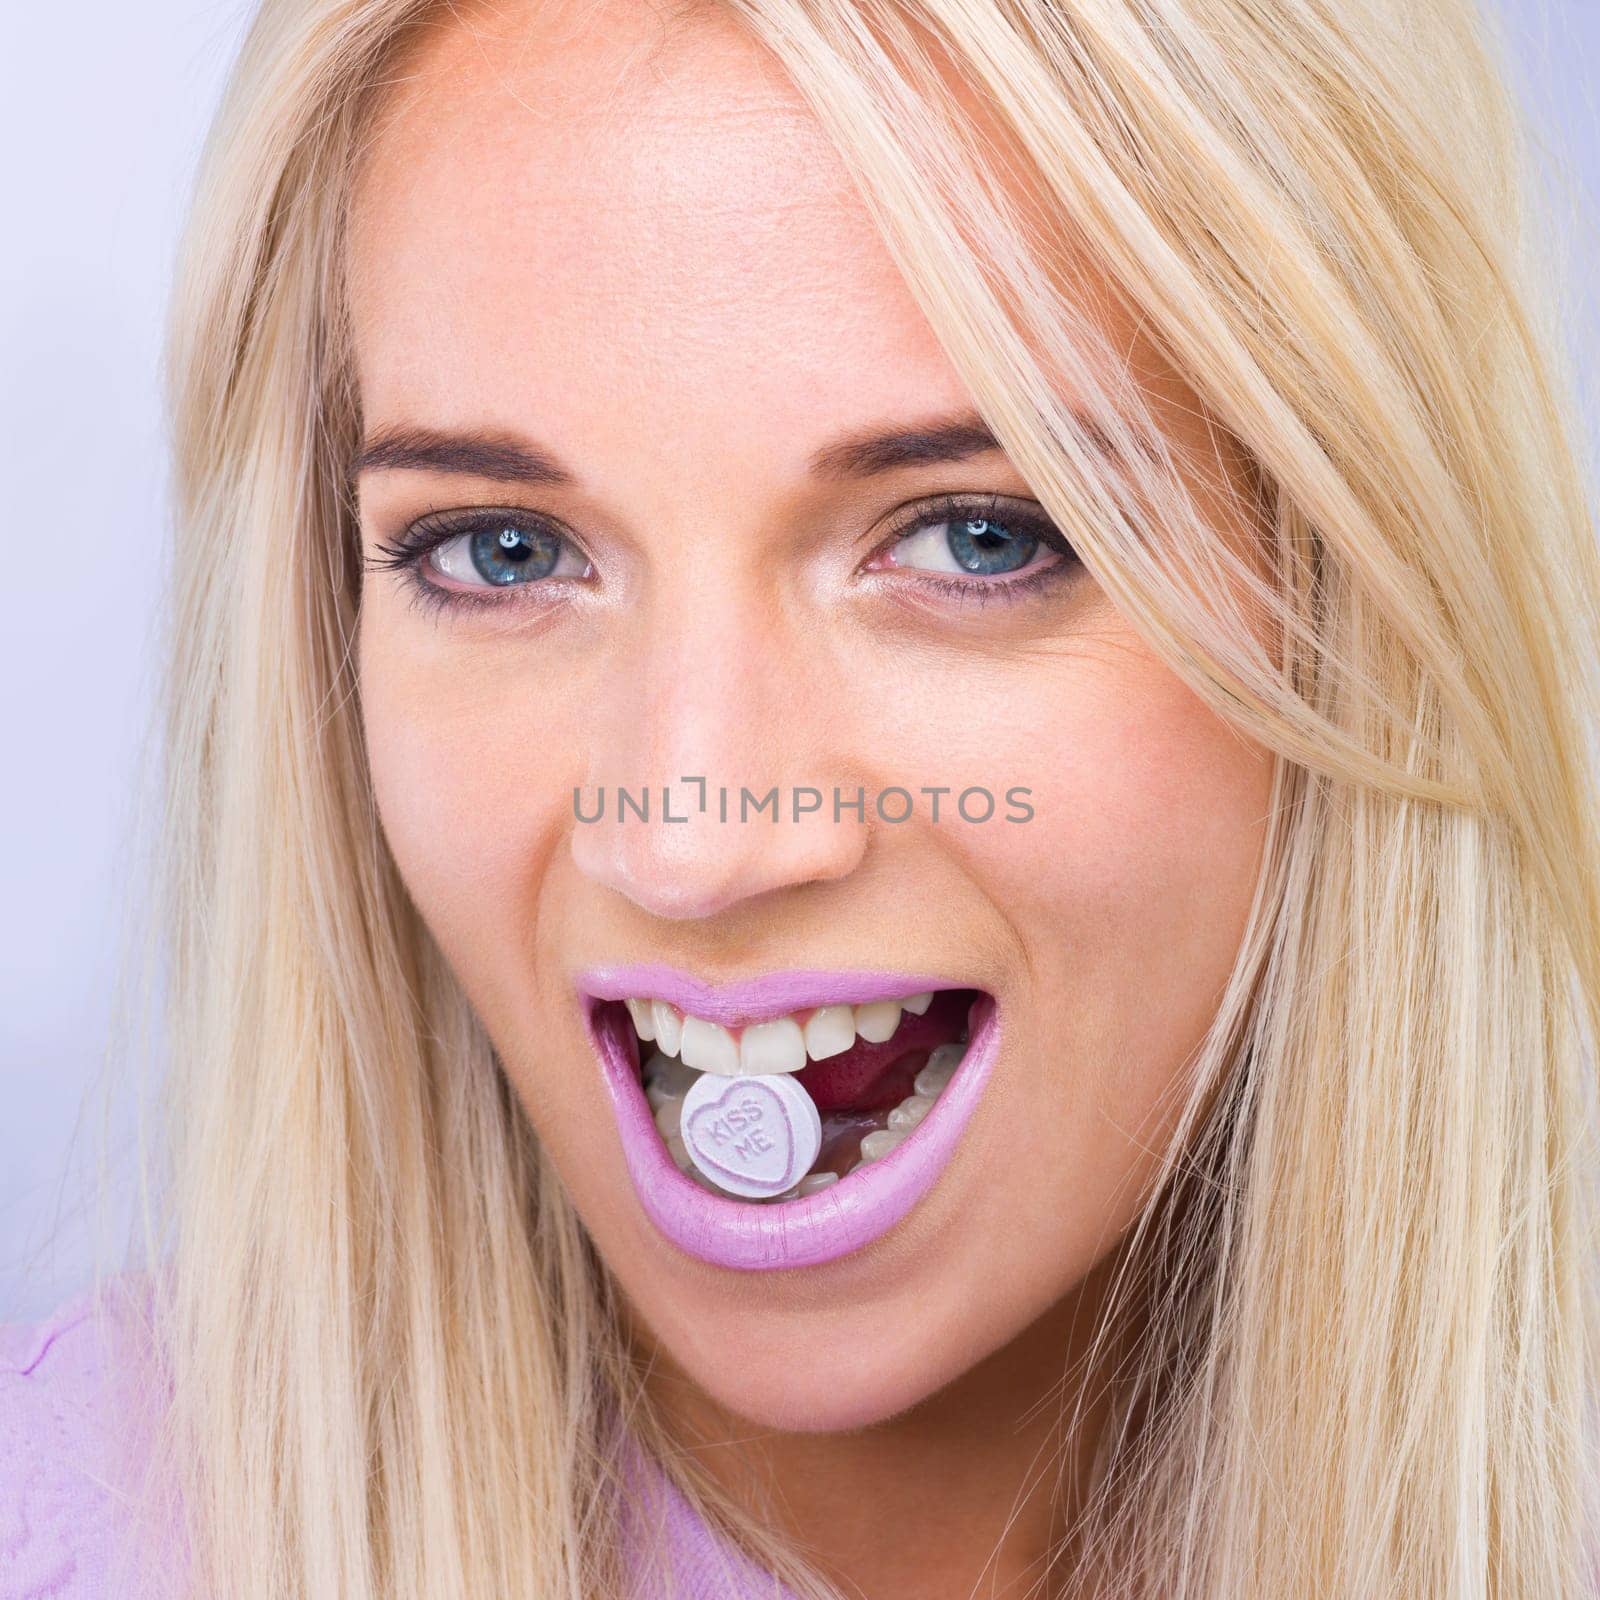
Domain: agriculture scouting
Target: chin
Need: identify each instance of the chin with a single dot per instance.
(783, 1374)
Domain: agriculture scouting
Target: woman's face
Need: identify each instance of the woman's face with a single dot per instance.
(617, 293)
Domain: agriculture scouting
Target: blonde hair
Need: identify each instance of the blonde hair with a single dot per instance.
(1355, 1323)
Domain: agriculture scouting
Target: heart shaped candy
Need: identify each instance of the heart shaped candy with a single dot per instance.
(754, 1136)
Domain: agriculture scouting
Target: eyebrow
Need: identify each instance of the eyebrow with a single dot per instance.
(476, 453)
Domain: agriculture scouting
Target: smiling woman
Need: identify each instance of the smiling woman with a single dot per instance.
(1167, 1174)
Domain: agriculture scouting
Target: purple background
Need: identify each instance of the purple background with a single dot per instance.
(109, 110)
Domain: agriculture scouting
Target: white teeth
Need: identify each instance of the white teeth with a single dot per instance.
(830, 1031)
(772, 1047)
(668, 1025)
(910, 1112)
(644, 1019)
(669, 1118)
(827, 1031)
(679, 1152)
(877, 1020)
(939, 1069)
(880, 1142)
(812, 1183)
(709, 1047)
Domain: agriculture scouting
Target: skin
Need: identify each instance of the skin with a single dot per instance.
(647, 260)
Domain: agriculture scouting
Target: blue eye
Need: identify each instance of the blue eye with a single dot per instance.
(505, 553)
(982, 547)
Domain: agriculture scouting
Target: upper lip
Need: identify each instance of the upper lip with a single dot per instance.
(754, 999)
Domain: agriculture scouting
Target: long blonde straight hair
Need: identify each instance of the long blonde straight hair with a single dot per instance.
(1355, 1327)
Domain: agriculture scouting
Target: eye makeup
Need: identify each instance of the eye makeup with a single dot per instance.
(443, 545)
(990, 551)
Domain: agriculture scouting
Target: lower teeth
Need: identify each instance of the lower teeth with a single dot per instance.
(849, 1139)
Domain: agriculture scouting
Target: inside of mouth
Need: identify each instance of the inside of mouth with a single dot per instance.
(869, 1096)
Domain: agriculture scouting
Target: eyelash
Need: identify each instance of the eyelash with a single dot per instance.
(408, 553)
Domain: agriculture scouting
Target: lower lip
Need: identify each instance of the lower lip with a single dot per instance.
(844, 1217)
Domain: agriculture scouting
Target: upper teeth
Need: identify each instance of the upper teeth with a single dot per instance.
(782, 1044)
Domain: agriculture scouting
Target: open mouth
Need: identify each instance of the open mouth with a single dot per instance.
(873, 1071)
(792, 1118)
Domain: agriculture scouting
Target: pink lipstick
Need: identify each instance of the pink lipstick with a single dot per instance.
(809, 1228)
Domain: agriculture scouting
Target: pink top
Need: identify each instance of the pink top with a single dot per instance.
(75, 1418)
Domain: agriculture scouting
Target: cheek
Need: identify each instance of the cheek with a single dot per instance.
(1143, 853)
(1131, 885)
(470, 786)
(1148, 817)
(1125, 898)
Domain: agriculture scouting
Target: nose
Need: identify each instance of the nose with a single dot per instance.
(718, 772)
(668, 849)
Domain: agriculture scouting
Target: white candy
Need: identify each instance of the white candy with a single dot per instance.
(752, 1136)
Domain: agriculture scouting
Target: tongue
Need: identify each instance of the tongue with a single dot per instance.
(869, 1077)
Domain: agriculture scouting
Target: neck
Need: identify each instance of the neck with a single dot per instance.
(968, 1492)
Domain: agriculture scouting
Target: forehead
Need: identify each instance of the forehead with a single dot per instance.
(622, 225)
